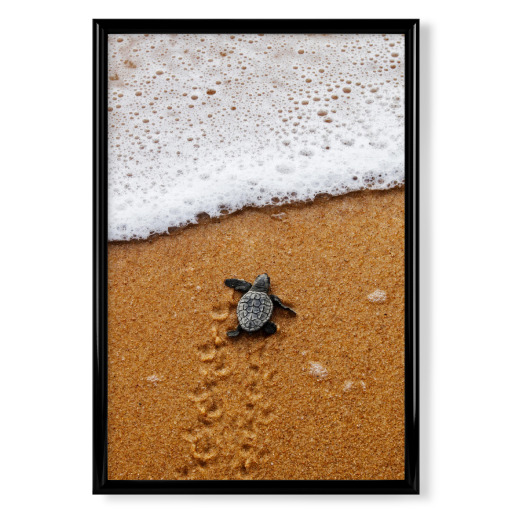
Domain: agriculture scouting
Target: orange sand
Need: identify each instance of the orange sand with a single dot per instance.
(323, 398)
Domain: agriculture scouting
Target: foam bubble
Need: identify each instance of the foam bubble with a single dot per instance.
(378, 296)
(207, 124)
(317, 370)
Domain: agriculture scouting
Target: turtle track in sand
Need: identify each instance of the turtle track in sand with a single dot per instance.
(230, 403)
(205, 436)
(253, 451)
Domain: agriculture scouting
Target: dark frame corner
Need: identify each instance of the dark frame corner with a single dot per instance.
(101, 30)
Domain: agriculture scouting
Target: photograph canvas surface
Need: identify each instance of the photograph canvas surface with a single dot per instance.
(256, 257)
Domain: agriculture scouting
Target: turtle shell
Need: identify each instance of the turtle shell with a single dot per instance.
(254, 310)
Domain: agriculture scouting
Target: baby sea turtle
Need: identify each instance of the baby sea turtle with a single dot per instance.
(256, 305)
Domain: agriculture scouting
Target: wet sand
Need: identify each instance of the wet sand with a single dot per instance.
(323, 398)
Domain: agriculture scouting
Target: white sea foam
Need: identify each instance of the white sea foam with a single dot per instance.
(213, 123)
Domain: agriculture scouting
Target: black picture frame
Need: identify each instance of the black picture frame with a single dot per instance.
(101, 29)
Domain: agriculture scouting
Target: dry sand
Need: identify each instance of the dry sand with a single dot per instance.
(323, 398)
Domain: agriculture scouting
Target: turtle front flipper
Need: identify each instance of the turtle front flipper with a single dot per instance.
(235, 333)
(277, 301)
(238, 284)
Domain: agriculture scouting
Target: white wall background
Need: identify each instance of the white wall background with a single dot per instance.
(46, 253)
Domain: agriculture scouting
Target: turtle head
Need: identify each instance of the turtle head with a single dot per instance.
(261, 283)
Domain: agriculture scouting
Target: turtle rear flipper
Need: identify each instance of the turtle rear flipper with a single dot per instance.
(238, 284)
(236, 332)
(270, 328)
(277, 301)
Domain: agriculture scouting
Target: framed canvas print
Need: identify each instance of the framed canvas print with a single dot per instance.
(256, 256)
